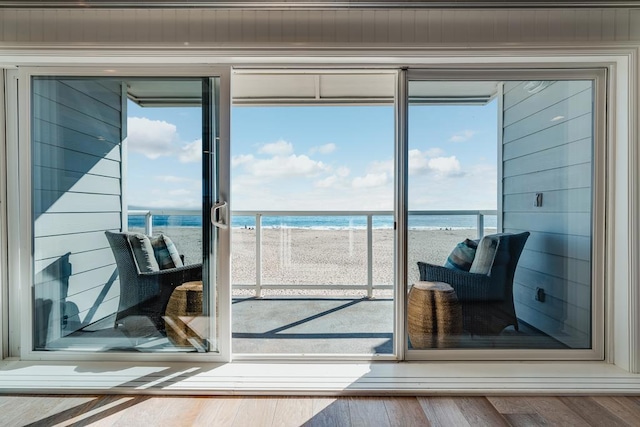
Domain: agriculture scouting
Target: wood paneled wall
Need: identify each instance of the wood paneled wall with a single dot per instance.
(348, 27)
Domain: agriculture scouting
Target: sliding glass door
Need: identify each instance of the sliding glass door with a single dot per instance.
(505, 224)
(129, 234)
(313, 220)
(495, 239)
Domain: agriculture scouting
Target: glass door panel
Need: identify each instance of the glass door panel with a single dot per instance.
(123, 180)
(500, 214)
(313, 221)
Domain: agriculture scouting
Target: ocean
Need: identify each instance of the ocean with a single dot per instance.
(425, 222)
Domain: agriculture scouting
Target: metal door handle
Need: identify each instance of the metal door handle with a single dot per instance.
(220, 221)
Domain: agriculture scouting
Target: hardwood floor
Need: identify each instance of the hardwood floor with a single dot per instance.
(125, 410)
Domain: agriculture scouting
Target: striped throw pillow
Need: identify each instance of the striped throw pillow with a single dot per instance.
(165, 252)
(462, 256)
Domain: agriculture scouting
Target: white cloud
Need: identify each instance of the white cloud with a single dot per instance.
(278, 148)
(292, 165)
(191, 153)
(241, 159)
(324, 149)
(422, 162)
(157, 138)
(418, 162)
(381, 166)
(335, 180)
(327, 182)
(462, 136)
(371, 180)
(447, 166)
(477, 191)
(153, 138)
(252, 194)
(343, 172)
(434, 152)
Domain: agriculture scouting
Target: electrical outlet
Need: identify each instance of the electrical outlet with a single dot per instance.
(540, 295)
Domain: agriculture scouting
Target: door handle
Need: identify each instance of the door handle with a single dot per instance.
(220, 221)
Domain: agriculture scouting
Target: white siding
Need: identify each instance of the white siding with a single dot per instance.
(76, 175)
(344, 27)
(548, 149)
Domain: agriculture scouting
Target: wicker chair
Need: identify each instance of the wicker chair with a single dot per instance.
(486, 300)
(143, 293)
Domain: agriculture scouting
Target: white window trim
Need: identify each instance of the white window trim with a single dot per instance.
(4, 319)
(622, 310)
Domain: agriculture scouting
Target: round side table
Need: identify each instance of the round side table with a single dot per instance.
(183, 310)
(434, 315)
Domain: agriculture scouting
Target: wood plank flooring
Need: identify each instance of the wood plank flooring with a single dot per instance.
(157, 411)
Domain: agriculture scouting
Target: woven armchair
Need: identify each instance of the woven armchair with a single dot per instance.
(486, 300)
(143, 293)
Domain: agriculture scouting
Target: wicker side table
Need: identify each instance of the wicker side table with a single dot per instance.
(182, 313)
(434, 315)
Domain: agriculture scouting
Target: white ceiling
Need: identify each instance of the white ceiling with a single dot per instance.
(165, 93)
(451, 92)
(311, 88)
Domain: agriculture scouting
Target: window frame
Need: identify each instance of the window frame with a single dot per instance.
(598, 204)
(622, 306)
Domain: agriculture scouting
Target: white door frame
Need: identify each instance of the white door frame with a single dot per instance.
(22, 283)
(4, 294)
(622, 311)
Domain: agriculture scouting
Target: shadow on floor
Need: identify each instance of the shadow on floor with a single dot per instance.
(296, 326)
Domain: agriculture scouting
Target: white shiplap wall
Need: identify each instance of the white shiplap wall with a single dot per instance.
(220, 28)
(76, 196)
(547, 149)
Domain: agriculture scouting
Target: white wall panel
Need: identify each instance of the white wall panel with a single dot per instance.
(77, 132)
(82, 261)
(561, 288)
(359, 26)
(548, 149)
(58, 245)
(634, 24)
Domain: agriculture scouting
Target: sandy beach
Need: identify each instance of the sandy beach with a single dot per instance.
(297, 256)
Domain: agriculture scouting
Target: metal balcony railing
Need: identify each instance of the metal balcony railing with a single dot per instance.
(259, 215)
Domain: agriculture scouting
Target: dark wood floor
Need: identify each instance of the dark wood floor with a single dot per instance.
(155, 411)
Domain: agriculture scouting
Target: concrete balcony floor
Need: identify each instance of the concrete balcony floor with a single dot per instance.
(301, 325)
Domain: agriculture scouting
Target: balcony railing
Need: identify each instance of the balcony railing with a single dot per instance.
(259, 286)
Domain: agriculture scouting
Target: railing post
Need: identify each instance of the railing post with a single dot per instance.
(258, 255)
(148, 224)
(369, 256)
(480, 225)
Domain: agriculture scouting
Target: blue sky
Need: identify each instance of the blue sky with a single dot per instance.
(318, 158)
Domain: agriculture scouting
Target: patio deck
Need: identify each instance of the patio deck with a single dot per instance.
(304, 325)
(293, 325)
